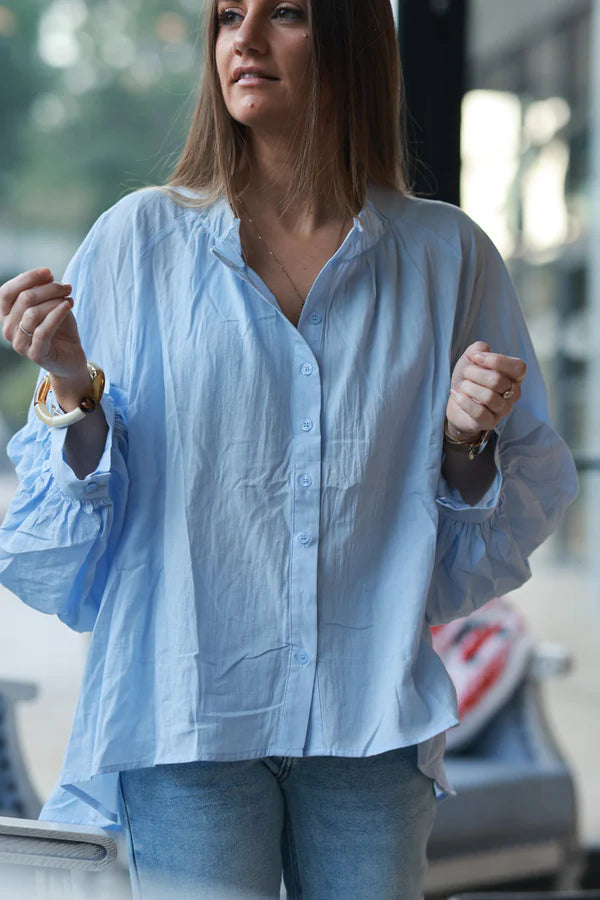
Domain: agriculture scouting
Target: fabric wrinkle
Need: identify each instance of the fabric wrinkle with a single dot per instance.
(267, 526)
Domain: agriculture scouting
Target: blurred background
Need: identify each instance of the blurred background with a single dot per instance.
(95, 99)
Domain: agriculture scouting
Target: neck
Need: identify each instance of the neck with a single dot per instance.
(265, 177)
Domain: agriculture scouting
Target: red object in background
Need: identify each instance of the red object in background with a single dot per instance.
(486, 655)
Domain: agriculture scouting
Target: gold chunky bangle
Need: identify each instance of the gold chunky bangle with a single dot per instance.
(87, 405)
(472, 447)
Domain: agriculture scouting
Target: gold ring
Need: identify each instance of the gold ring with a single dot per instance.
(509, 393)
(24, 331)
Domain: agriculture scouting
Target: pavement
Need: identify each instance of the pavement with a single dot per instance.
(561, 603)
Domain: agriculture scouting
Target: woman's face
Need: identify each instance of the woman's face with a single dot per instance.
(263, 56)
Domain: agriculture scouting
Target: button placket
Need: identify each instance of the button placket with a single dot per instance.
(304, 536)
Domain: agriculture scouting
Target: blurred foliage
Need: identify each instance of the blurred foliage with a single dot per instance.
(17, 382)
(95, 100)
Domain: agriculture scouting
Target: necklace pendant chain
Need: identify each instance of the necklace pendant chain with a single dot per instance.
(278, 262)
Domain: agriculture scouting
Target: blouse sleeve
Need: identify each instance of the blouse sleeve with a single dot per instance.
(60, 532)
(483, 550)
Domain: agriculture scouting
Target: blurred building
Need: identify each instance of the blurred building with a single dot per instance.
(530, 123)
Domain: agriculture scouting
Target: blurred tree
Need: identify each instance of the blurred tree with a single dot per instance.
(21, 78)
(94, 102)
(94, 94)
(17, 383)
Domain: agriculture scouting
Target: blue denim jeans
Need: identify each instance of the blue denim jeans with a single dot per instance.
(337, 828)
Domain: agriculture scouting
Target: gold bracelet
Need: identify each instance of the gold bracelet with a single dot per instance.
(87, 405)
(472, 446)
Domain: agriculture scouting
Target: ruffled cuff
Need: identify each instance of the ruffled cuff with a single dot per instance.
(451, 504)
(94, 487)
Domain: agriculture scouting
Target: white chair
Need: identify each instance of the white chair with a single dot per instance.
(46, 860)
(37, 859)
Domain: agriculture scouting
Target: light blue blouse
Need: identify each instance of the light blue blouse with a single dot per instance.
(267, 537)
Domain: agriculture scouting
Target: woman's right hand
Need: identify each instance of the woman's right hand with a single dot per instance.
(37, 320)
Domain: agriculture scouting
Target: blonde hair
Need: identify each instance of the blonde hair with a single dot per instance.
(355, 59)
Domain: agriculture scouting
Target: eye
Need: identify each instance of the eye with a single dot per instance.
(288, 14)
(228, 16)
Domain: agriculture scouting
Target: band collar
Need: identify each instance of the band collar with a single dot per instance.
(368, 227)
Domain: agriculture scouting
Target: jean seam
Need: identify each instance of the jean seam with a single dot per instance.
(294, 871)
(133, 861)
(281, 772)
(286, 768)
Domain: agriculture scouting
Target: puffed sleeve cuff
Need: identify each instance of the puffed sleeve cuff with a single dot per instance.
(477, 560)
(94, 487)
(451, 504)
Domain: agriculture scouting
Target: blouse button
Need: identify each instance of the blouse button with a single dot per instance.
(307, 368)
(302, 657)
(304, 538)
(306, 480)
(307, 425)
(91, 487)
(316, 318)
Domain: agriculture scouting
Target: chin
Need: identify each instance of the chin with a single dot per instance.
(256, 111)
(255, 118)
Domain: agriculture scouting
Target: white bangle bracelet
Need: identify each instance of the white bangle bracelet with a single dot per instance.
(87, 405)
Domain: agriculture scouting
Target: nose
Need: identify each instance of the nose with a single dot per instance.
(249, 36)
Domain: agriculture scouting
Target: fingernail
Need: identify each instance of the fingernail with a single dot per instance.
(452, 391)
(478, 357)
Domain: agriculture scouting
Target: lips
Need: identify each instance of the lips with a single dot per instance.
(250, 73)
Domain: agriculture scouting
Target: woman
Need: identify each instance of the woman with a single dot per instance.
(316, 441)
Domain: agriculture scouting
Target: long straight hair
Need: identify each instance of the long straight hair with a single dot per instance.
(355, 76)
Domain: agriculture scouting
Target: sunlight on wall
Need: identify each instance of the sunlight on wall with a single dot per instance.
(545, 218)
(491, 145)
(514, 171)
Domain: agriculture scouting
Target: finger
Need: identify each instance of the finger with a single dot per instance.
(479, 416)
(30, 300)
(32, 297)
(35, 315)
(492, 400)
(24, 337)
(11, 289)
(489, 378)
(21, 332)
(477, 347)
(511, 366)
(460, 422)
(44, 333)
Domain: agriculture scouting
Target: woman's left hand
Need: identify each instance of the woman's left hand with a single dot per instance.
(484, 388)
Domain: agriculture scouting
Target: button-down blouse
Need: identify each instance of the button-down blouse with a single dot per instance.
(267, 538)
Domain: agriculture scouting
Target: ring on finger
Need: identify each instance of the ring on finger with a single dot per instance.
(509, 393)
(24, 330)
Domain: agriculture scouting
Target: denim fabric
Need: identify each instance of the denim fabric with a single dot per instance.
(336, 827)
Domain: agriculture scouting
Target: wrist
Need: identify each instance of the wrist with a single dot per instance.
(70, 391)
(85, 399)
(471, 445)
(454, 436)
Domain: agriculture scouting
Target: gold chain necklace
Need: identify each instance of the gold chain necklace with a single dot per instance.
(276, 258)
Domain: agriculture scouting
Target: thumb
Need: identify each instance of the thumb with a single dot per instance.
(477, 347)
